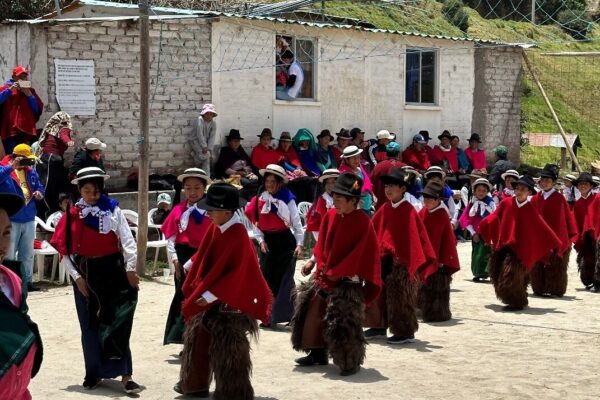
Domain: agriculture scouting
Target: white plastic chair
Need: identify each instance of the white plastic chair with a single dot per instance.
(40, 254)
(303, 208)
(132, 217)
(53, 219)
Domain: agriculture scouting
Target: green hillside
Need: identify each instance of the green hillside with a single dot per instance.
(573, 83)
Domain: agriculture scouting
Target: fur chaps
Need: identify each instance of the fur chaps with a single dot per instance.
(586, 261)
(344, 334)
(509, 278)
(302, 296)
(434, 297)
(551, 278)
(230, 355)
(401, 301)
(195, 372)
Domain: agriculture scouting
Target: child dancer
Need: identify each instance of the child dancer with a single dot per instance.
(434, 295)
(323, 203)
(225, 293)
(479, 207)
(585, 244)
(519, 238)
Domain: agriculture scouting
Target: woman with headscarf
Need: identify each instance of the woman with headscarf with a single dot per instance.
(54, 140)
(306, 147)
(273, 212)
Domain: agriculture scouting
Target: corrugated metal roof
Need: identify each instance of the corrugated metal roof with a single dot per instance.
(179, 13)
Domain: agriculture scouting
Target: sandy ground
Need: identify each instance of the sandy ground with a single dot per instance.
(548, 351)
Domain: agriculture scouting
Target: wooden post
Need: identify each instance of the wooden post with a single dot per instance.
(143, 166)
(554, 116)
(563, 158)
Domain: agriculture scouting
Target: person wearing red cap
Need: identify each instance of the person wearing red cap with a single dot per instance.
(20, 110)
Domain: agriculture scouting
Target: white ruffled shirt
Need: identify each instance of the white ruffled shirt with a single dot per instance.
(287, 212)
(183, 224)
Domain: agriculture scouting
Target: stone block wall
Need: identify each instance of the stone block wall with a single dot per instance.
(497, 99)
(180, 56)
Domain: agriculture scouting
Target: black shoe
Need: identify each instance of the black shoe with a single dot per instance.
(401, 339)
(372, 333)
(318, 357)
(131, 387)
(351, 371)
(513, 308)
(476, 279)
(31, 288)
(91, 383)
(202, 394)
(596, 287)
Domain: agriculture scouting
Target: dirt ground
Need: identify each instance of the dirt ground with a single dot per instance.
(548, 351)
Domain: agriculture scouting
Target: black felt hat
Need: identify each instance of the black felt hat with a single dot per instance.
(585, 177)
(433, 190)
(234, 134)
(266, 133)
(550, 171)
(396, 176)
(348, 184)
(221, 197)
(475, 138)
(425, 135)
(526, 181)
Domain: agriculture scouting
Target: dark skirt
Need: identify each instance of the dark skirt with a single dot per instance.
(54, 177)
(175, 324)
(480, 257)
(106, 317)
(278, 267)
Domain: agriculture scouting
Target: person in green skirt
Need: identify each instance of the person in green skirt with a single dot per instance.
(480, 206)
(184, 229)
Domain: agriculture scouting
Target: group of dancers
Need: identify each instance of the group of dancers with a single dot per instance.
(366, 275)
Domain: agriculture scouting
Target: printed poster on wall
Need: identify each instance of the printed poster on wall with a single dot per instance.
(75, 86)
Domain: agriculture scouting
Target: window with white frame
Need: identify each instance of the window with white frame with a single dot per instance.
(421, 82)
(295, 77)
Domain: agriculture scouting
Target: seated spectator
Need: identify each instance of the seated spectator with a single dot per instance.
(295, 78)
(475, 155)
(383, 168)
(415, 155)
(464, 165)
(378, 151)
(444, 155)
(163, 208)
(233, 159)
(428, 148)
(291, 162)
(54, 140)
(343, 140)
(501, 165)
(90, 155)
(305, 146)
(20, 110)
(324, 154)
(263, 153)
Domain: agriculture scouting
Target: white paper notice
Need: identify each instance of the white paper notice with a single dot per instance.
(75, 86)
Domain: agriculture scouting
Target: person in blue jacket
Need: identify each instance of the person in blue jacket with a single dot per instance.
(18, 176)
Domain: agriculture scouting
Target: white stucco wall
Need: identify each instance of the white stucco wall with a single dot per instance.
(360, 82)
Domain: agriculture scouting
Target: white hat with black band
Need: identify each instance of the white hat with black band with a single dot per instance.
(89, 173)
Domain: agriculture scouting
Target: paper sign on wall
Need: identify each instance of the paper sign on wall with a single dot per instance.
(75, 86)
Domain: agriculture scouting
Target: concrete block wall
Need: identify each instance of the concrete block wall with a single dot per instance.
(497, 99)
(180, 85)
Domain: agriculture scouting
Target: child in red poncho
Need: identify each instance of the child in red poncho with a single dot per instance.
(585, 244)
(434, 295)
(329, 308)
(405, 249)
(519, 237)
(551, 277)
(225, 293)
(323, 203)
(184, 229)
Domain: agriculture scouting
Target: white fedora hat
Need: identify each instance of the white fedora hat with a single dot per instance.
(351, 151)
(89, 173)
(195, 173)
(329, 173)
(274, 169)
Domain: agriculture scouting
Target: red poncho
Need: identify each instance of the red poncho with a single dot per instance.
(441, 235)
(226, 265)
(290, 156)
(16, 115)
(419, 160)
(438, 156)
(559, 218)
(261, 156)
(581, 210)
(522, 229)
(315, 215)
(401, 233)
(347, 247)
(476, 158)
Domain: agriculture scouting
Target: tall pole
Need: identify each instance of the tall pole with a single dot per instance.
(143, 166)
(533, 12)
(57, 7)
(554, 116)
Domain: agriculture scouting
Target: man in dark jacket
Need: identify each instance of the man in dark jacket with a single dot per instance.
(88, 156)
(501, 165)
